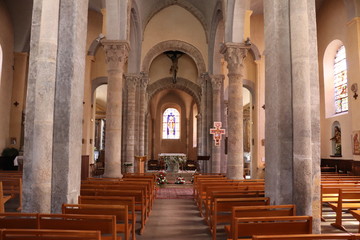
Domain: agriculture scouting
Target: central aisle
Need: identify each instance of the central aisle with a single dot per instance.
(175, 219)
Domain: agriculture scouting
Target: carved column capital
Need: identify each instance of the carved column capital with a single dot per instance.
(144, 80)
(132, 81)
(198, 116)
(204, 77)
(234, 54)
(217, 81)
(116, 52)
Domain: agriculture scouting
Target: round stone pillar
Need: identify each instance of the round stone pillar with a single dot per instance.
(116, 53)
(216, 82)
(235, 54)
(132, 81)
(142, 85)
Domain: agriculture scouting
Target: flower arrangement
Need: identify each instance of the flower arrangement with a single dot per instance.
(161, 178)
(180, 180)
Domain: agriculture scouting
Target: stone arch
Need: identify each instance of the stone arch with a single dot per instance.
(135, 40)
(96, 83)
(184, 4)
(216, 37)
(255, 52)
(176, 45)
(352, 8)
(96, 43)
(182, 84)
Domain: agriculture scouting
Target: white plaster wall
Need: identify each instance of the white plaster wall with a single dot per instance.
(6, 42)
(332, 24)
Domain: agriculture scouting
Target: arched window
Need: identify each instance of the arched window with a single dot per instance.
(340, 81)
(171, 124)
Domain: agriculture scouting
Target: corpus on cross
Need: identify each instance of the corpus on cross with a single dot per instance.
(174, 56)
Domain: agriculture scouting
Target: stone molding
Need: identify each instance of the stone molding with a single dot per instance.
(234, 54)
(144, 80)
(174, 45)
(116, 51)
(217, 81)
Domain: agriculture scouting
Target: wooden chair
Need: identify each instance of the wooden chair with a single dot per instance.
(3, 199)
(49, 234)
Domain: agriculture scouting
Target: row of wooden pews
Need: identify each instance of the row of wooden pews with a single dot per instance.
(340, 192)
(240, 205)
(109, 206)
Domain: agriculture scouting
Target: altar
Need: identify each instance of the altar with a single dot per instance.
(173, 161)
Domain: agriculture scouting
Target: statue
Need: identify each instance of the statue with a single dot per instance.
(174, 56)
(337, 139)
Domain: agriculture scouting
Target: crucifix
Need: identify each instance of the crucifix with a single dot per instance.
(174, 56)
(217, 132)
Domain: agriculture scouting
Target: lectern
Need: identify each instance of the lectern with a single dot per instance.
(140, 163)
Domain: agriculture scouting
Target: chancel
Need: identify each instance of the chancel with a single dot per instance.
(162, 104)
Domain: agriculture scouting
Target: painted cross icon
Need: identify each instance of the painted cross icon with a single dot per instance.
(217, 132)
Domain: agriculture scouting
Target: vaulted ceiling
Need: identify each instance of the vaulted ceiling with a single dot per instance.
(21, 12)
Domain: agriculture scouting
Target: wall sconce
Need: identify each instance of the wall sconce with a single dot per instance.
(354, 89)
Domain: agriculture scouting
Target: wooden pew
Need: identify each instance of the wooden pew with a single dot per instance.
(347, 199)
(259, 211)
(308, 236)
(114, 200)
(247, 227)
(12, 186)
(223, 207)
(106, 224)
(120, 211)
(47, 234)
(330, 193)
(232, 193)
(19, 220)
(122, 186)
(137, 194)
(3, 198)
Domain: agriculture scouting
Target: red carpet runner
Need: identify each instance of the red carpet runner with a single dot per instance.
(174, 193)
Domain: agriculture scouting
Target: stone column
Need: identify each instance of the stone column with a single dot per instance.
(132, 81)
(223, 161)
(198, 133)
(143, 85)
(69, 97)
(235, 54)
(292, 107)
(116, 53)
(39, 117)
(204, 124)
(216, 82)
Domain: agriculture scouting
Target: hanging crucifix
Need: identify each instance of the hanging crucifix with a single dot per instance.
(174, 56)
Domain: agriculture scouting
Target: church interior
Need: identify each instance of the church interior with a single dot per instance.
(182, 95)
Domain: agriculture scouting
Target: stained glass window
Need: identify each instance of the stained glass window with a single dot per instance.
(340, 81)
(171, 124)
